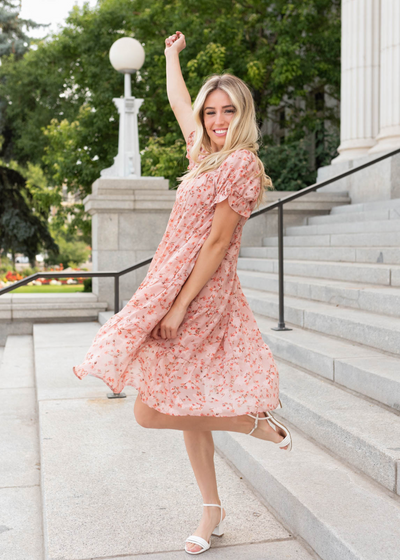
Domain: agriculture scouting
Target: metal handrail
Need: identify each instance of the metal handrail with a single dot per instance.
(278, 204)
(115, 274)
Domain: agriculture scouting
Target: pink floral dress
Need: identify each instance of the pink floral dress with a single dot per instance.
(218, 364)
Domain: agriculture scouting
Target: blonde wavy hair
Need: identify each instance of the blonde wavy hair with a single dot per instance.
(243, 132)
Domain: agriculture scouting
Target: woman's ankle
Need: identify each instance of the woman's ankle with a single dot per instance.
(244, 423)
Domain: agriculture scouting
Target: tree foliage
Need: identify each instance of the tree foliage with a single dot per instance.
(13, 36)
(23, 227)
(72, 251)
(60, 114)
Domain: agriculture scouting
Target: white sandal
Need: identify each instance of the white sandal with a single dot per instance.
(218, 532)
(273, 422)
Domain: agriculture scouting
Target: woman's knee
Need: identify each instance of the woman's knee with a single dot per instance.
(144, 414)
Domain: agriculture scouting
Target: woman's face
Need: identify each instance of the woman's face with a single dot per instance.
(218, 113)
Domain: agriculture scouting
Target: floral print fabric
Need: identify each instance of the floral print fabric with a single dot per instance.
(218, 364)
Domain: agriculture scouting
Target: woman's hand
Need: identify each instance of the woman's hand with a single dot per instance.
(175, 42)
(170, 323)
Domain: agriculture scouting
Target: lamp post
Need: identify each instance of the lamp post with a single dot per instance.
(127, 56)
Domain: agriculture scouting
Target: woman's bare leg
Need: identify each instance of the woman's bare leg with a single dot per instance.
(200, 448)
(148, 417)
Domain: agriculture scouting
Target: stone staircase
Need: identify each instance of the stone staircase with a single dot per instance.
(339, 380)
(80, 479)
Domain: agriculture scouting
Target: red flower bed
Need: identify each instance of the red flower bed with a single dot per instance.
(13, 277)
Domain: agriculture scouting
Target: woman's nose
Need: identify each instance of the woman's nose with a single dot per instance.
(219, 119)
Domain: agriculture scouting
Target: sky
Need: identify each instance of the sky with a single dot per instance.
(48, 11)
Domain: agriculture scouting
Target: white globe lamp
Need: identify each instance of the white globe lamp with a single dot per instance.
(127, 56)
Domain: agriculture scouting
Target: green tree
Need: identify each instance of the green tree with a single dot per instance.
(73, 251)
(60, 112)
(161, 158)
(13, 36)
(14, 42)
(23, 228)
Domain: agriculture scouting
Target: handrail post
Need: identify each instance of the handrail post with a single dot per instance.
(116, 293)
(281, 321)
(116, 310)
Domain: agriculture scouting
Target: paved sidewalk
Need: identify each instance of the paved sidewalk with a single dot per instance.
(110, 488)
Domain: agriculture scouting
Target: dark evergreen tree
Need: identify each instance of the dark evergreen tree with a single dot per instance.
(23, 228)
(13, 36)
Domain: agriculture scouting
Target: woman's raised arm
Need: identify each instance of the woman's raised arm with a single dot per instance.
(178, 95)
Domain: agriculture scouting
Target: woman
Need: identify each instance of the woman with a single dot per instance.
(187, 339)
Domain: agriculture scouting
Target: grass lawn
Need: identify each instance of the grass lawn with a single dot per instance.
(45, 289)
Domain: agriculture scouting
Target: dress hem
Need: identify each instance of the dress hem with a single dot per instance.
(162, 411)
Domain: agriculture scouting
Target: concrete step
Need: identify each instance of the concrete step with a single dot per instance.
(389, 214)
(378, 331)
(18, 312)
(376, 239)
(391, 204)
(16, 369)
(104, 316)
(20, 501)
(383, 300)
(96, 478)
(48, 306)
(345, 424)
(314, 203)
(348, 227)
(381, 274)
(386, 255)
(366, 371)
(341, 514)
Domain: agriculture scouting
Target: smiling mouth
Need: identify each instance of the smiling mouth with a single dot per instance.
(220, 131)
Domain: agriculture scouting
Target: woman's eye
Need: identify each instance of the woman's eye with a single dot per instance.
(227, 111)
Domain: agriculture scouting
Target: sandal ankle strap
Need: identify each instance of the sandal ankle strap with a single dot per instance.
(218, 505)
(257, 418)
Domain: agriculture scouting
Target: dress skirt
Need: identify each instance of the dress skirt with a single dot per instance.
(218, 364)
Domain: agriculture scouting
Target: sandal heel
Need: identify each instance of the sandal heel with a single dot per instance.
(219, 529)
(273, 422)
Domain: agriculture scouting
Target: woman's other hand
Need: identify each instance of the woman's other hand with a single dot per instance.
(175, 42)
(170, 323)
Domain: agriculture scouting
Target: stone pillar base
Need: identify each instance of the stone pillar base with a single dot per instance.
(353, 149)
(387, 140)
(129, 218)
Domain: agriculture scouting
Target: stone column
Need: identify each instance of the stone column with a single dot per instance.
(129, 217)
(389, 131)
(360, 77)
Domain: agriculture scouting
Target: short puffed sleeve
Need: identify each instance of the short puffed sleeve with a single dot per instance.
(235, 181)
(189, 146)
